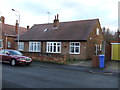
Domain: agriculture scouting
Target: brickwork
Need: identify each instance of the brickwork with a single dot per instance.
(55, 58)
(11, 40)
(108, 52)
(93, 40)
(87, 49)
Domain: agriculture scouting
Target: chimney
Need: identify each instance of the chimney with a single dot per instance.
(56, 21)
(16, 27)
(28, 27)
(2, 19)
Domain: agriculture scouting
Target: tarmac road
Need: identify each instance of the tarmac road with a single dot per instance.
(35, 76)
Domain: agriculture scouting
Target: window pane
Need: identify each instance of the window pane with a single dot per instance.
(55, 44)
(77, 44)
(38, 46)
(72, 49)
(54, 49)
(9, 44)
(51, 48)
(58, 43)
(77, 50)
(72, 44)
(48, 47)
(58, 48)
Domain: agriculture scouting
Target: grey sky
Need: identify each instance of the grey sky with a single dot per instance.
(35, 11)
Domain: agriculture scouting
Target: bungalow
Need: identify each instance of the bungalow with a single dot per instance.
(74, 39)
(8, 34)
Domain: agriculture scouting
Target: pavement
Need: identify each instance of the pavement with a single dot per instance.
(111, 67)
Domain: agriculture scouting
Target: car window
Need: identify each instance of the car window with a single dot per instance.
(1, 51)
(13, 52)
(5, 52)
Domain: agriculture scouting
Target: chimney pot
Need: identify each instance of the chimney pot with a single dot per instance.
(16, 27)
(28, 27)
(56, 22)
(57, 17)
(2, 19)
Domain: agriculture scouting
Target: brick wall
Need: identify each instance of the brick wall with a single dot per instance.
(108, 51)
(12, 42)
(93, 39)
(66, 50)
(55, 58)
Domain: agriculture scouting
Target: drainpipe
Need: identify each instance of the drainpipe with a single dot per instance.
(5, 41)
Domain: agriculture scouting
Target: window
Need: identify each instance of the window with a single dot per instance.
(100, 47)
(35, 46)
(97, 31)
(1, 44)
(9, 44)
(2, 51)
(21, 46)
(53, 47)
(96, 49)
(74, 47)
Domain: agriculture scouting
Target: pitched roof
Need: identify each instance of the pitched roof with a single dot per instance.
(74, 30)
(10, 29)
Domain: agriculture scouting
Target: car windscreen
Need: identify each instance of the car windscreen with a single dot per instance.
(12, 52)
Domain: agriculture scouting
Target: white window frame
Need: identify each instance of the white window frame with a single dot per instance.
(1, 43)
(21, 46)
(51, 48)
(74, 48)
(98, 31)
(100, 47)
(35, 46)
(8, 44)
(96, 49)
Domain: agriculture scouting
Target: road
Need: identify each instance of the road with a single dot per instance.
(50, 77)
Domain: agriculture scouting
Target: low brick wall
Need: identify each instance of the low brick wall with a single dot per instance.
(55, 58)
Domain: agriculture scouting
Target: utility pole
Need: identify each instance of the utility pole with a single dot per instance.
(18, 26)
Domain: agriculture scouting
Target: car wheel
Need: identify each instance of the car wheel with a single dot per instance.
(13, 62)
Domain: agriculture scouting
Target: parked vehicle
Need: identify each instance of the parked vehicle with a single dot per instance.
(14, 57)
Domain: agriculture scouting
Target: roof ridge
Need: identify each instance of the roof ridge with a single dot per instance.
(69, 21)
(11, 25)
(80, 20)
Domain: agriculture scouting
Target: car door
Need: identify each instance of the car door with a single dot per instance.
(6, 57)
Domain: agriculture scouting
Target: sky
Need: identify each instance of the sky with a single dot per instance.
(36, 11)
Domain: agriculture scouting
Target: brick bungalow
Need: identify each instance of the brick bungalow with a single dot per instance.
(74, 39)
(8, 34)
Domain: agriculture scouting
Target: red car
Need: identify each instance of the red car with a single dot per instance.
(14, 57)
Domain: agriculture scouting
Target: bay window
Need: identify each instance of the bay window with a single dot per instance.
(53, 47)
